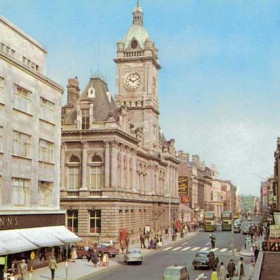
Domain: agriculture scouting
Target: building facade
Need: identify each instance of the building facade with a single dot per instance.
(119, 174)
(29, 126)
(276, 186)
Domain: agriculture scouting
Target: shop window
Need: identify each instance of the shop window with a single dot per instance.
(47, 109)
(96, 173)
(85, 119)
(72, 220)
(21, 144)
(45, 193)
(20, 191)
(22, 100)
(95, 221)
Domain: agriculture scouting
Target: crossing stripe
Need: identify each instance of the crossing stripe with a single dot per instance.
(205, 248)
(185, 243)
(234, 250)
(214, 250)
(195, 248)
(185, 249)
(177, 248)
(223, 250)
(168, 248)
(207, 243)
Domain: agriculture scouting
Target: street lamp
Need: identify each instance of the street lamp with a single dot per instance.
(182, 216)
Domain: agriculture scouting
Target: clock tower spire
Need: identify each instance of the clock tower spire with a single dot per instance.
(137, 79)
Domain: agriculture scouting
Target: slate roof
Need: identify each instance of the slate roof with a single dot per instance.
(104, 107)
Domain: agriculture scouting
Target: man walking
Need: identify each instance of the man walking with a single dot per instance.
(231, 269)
(241, 269)
(142, 240)
(223, 272)
(52, 266)
(23, 269)
(251, 271)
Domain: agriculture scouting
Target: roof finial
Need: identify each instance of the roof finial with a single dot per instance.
(138, 3)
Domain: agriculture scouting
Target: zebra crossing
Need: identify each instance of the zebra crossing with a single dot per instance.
(196, 249)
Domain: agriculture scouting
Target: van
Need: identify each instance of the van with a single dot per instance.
(176, 272)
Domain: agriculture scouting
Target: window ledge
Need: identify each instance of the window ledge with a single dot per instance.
(25, 113)
(46, 162)
(46, 121)
(22, 157)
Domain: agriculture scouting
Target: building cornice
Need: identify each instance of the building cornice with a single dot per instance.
(31, 72)
(141, 58)
(22, 34)
(99, 131)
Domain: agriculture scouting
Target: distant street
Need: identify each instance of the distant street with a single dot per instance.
(182, 254)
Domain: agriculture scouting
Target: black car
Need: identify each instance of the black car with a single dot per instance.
(205, 259)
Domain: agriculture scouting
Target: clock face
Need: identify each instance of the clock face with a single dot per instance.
(133, 81)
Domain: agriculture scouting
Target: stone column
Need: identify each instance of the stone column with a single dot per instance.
(127, 169)
(134, 170)
(107, 164)
(114, 168)
(122, 168)
(84, 166)
(62, 177)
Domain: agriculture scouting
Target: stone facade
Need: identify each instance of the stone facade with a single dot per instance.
(118, 171)
(30, 110)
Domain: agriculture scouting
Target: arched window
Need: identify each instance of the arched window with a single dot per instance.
(96, 173)
(74, 173)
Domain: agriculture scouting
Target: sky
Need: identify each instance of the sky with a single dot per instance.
(219, 85)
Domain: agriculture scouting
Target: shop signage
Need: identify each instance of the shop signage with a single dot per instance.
(277, 218)
(8, 221)
(183, 185)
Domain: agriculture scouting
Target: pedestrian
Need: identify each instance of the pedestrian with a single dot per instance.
(23, 269)
(241, 269)
(43, 254)
(213, 240)
(223, 272)
(212, 261)
(100, 257)
(251, 270)
(94, 258)
(256, 253)
(142, 240)
(52, 266)
(231, 269)
(105, 259)
(214, 275)
(73, 254)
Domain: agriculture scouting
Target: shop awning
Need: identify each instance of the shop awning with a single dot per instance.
(42, 237)
(22, 240)
(11, 242)
(65, 235)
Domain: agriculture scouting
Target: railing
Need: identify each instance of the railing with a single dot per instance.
(271, 245)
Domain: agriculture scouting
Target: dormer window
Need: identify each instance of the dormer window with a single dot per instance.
(134, 44)
(85, 118)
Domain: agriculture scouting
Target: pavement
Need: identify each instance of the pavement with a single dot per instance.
(83, 269)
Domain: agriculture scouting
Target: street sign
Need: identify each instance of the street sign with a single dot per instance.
(32, 255)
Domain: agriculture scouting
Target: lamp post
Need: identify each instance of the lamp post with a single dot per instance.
(182, 230)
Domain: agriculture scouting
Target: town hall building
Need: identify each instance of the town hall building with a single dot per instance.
(118, 172)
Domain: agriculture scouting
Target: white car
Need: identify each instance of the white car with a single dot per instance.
(133, 255)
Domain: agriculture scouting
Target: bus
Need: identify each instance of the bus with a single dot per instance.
(226, 220)
(209, 221)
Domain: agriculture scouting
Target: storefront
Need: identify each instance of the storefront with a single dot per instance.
(34, 238)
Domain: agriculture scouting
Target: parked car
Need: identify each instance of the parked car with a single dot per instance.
(176, 272)
(82, 252)
(133, 255)
(106, 248)
(205, 259)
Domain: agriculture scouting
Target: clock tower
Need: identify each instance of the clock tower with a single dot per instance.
(137, 80)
